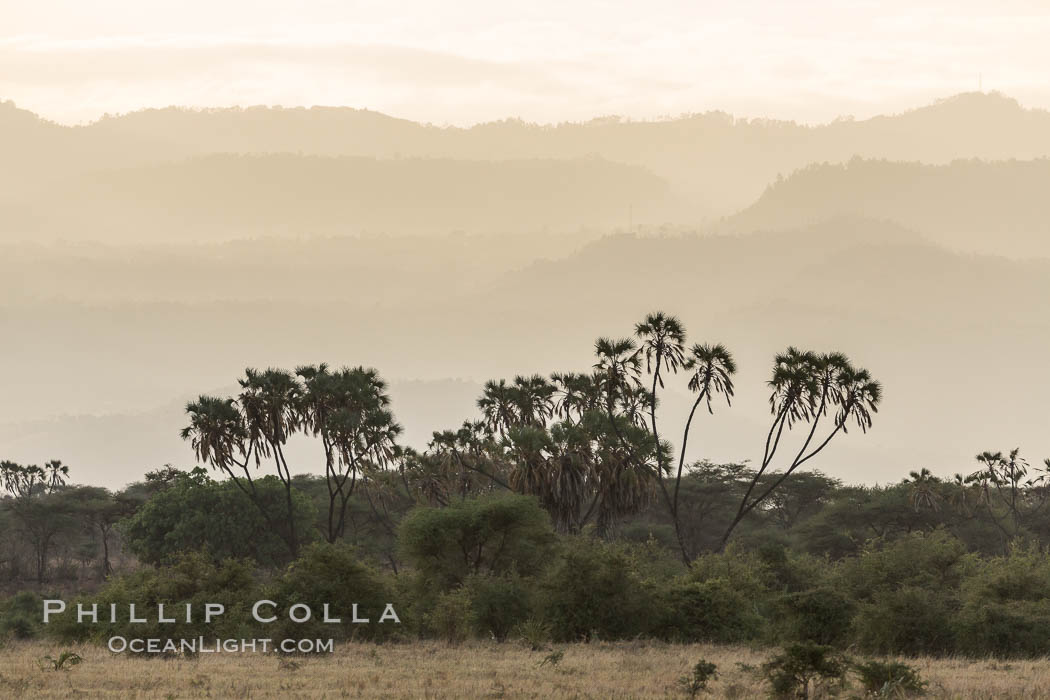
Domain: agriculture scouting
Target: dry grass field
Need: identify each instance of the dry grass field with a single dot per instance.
(433, 670)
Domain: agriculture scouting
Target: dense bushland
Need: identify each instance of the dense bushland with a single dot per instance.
(493, 567)
(560, 515)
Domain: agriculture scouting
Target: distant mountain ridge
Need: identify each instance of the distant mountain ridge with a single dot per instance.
(992, 207)
(237, 196)
(717, 162)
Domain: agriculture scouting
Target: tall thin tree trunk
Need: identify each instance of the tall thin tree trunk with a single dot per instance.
(105, 552)
(672, 506)
(286, 477)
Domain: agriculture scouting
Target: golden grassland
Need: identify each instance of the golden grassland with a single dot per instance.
(473, 670)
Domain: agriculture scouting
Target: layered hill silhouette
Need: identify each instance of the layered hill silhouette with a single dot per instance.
(234, 196)
(197, 243)
(370, 271)
(996, 207)
(714, 163)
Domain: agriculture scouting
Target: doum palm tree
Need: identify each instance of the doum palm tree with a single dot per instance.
(617, 369)
(55, 475)
(711, 369)
(922, 493)
(269, 400)
(349, 411)
(498, 406)
(662, 340)
(219, 436)
(662, 345)
(807, 387)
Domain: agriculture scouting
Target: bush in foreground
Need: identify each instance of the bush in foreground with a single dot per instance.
(890, 679)
(804, 667)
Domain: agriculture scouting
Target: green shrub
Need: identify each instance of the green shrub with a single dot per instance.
(1005, 609)
(18, 626)
(452, 617)
(1004, 629)
(534, 634)
(695, 683)
(907, 592)
(721, 599)
(198, 514)
(594, 589)
(498, 604)
(493, 535)
(715, 610)
(20, 616)
(890, 679)
(820, 615)
(936, 561)
(909, 620)
(802, 668)
(192, 579)
(748, 571)
(334, 574)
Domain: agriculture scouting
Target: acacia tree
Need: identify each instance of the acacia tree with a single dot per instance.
(101, 510)
(808, 390)
(43, 518)
(38, 505)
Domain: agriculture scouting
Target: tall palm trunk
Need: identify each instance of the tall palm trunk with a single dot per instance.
(286, 478)
(678, 476)
(672, 505)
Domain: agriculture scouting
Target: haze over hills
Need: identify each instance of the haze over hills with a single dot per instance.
(366, 270)
(219, 197)
(929, 323)
(993, 207)
(153, 256)
(714, 163)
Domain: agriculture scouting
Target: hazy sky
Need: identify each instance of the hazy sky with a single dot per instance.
(549, 60)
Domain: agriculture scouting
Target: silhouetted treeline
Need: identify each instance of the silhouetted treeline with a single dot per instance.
(71, 536)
